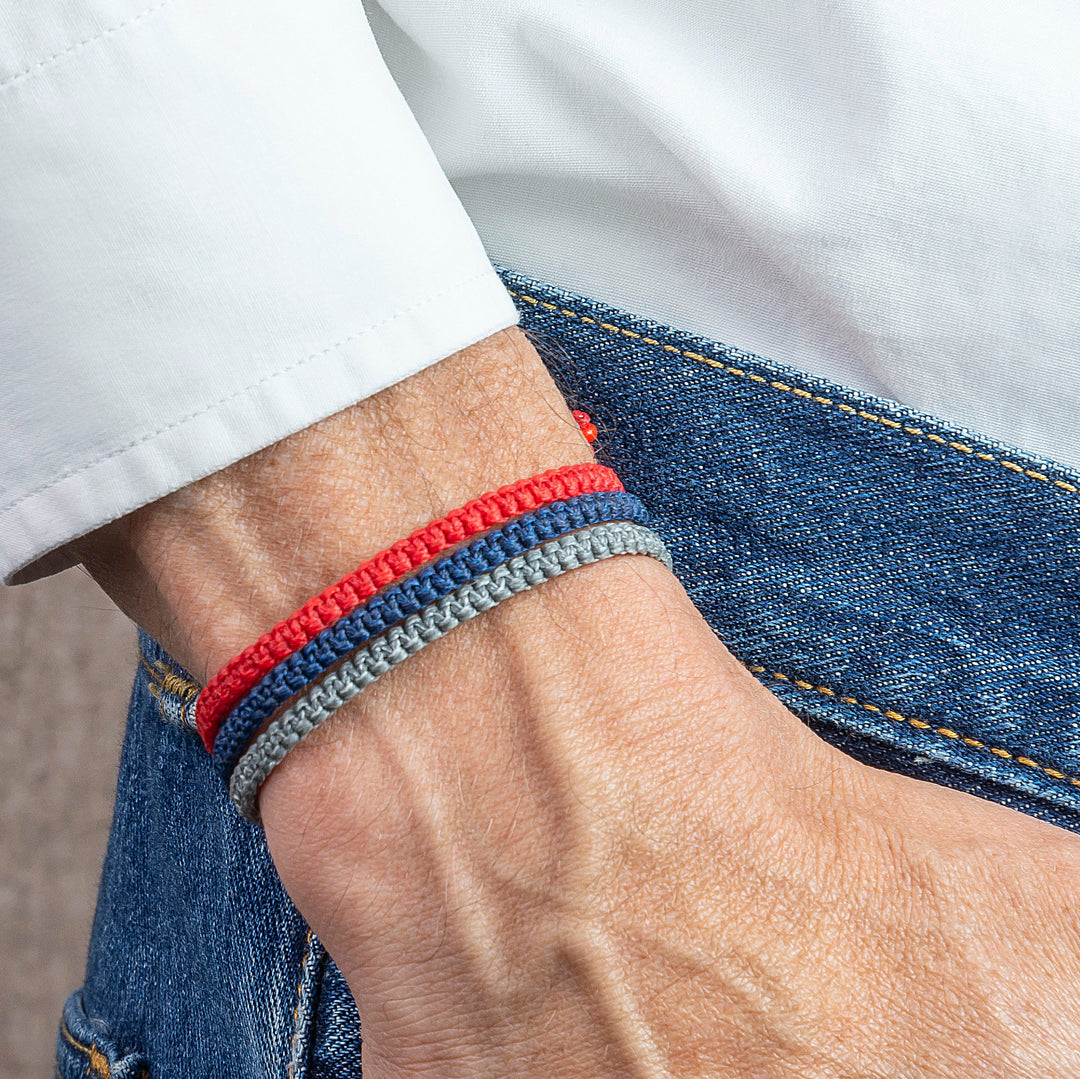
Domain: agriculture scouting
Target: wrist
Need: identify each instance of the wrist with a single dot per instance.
(208, 569)
(544, 809)
(516, 785)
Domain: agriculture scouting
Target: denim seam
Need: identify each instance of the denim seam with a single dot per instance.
(96, 1061)
(164, 682)
(918, 724)
(311, 947)
(959, 447)
(95, 1058)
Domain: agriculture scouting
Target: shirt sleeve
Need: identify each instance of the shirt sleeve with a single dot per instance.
(219, 223)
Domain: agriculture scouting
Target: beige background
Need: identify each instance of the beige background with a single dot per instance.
(66, 668)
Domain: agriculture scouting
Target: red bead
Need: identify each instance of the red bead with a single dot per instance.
(232, 683)
(589, 431)
(581, 417)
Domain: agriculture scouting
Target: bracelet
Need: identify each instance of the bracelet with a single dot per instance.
(433, 582)
(417, 631)
(488, 511)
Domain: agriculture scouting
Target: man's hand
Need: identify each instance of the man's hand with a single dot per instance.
(575, 837)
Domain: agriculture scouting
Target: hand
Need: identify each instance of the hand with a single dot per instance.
(575, 837)
(624, 868)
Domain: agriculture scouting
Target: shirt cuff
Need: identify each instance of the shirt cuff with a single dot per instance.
(222, 224)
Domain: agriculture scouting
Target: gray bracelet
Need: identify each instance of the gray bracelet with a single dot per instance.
(419, 630)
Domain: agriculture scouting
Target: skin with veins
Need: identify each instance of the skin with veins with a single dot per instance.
(574, 836)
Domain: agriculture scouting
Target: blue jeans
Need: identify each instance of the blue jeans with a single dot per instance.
(907, 588)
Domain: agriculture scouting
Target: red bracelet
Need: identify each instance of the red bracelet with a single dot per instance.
(584, 421)
(490, 510)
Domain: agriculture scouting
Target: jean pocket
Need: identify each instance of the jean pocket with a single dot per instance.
(907, 587)
(87, 1049)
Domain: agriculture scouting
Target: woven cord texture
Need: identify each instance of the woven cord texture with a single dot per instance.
(417, 631)
(407, 597)
(488, 511)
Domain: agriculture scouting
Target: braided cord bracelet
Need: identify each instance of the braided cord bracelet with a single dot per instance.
(409, 596)
(417, 631)
(488, 511)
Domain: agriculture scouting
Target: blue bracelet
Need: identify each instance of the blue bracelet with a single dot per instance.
(405, 598)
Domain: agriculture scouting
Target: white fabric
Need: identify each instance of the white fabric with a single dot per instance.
(882, 192)
(219, 223)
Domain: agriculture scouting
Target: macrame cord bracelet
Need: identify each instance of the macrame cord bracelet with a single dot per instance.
(490, 510)
(417, 631)
(407, 597)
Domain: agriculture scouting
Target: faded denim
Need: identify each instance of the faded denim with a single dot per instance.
(906, 587)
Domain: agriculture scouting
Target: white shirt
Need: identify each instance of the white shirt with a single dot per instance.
(220, 222)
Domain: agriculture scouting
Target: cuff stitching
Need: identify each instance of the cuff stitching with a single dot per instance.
(33, 69)
(242, 392)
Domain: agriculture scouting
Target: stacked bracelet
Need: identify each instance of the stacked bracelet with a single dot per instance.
(490, 510)
(334, 643)
(516, 575)
(352, 633)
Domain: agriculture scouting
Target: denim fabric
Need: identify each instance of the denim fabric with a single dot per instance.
(907, 587)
